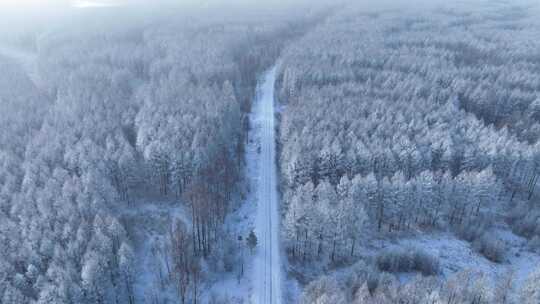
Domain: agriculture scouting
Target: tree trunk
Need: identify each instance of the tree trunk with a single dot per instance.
(305, 247)
(532, 186)
(193, 226)
(381, 215)
(334, 243)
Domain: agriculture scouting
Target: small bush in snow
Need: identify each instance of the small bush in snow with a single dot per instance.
(491, 248)
(324, 290)
(426, 263)
(534, 244)
(403, 260)
(525, 222)
(470, 232)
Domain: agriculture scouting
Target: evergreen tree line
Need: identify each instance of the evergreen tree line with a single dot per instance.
(364, 284)
(411, 120)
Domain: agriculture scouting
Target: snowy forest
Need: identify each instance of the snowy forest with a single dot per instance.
(125, 112)
(422, 123)
(137, 158)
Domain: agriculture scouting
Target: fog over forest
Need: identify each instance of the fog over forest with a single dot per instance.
(329, 152)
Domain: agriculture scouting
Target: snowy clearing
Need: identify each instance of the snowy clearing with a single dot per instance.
(457, 255)
(148, 223)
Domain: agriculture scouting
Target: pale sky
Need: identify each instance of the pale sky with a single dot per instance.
(33, 3)
(20, 14)
(53, 3)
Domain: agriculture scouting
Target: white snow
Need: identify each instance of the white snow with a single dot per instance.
(457, 255)
(148, 221)
(267, 262)
(261, 281)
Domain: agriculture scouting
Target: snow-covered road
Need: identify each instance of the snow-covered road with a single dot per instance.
(267, 267)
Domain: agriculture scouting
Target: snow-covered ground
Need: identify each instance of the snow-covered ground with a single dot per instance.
(457, 255)
(267, 264)
(148, 222)
(261, 280)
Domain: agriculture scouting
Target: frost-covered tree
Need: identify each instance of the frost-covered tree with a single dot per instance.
(428, 121)
(530, 292)
(323, 291)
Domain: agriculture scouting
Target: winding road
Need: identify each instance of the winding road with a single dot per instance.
(267, 270)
